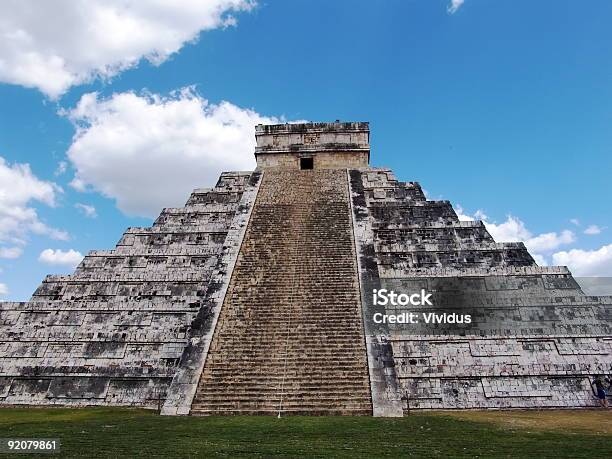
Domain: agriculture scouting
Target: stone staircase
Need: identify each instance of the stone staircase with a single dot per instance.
(290, 338)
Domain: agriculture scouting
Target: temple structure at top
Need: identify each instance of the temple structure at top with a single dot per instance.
(257, 297)
(313, 146)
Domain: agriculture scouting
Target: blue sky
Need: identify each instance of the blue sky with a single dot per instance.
(503, 107)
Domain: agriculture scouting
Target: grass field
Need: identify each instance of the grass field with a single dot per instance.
(108, 432)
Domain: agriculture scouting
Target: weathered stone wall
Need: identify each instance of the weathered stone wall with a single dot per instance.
(331, 145)
(313, 137)
(185, 382)
(539, 338)
(321, 160)
(249, 303)
(113, 332)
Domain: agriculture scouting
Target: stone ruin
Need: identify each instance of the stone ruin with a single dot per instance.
(256, 298)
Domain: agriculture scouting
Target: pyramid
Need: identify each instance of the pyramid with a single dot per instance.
(257, 297)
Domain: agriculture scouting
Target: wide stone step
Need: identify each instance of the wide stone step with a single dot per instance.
(272, 372)
(288, 359)
(274, 412)
(314, 337)
(218, 397)
(287, 403)
(294, 358)
(289, 384)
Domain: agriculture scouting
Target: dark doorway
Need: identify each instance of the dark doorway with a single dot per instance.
(306, 163)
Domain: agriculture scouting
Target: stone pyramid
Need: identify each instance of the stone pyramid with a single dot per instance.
(256, 298)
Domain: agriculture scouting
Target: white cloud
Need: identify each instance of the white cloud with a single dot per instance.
(592, 230)
(462, 215)
(58, 257)
(10, 252)
(149, 151)
(87, 210)
(596, 262)
(18, 189)
(454, 6)
(575, 221)
(549, 241)
(61, 168)
(540, 259)
(3, 289)
(514, 230)
(53, 45)
(480, 215)
(586, 262)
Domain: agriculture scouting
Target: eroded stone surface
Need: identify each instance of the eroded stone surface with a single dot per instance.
(248, 299)
(540, 340)
(114, 331)
(290, 337)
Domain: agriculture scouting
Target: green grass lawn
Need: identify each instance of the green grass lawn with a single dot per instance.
(110, 432)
